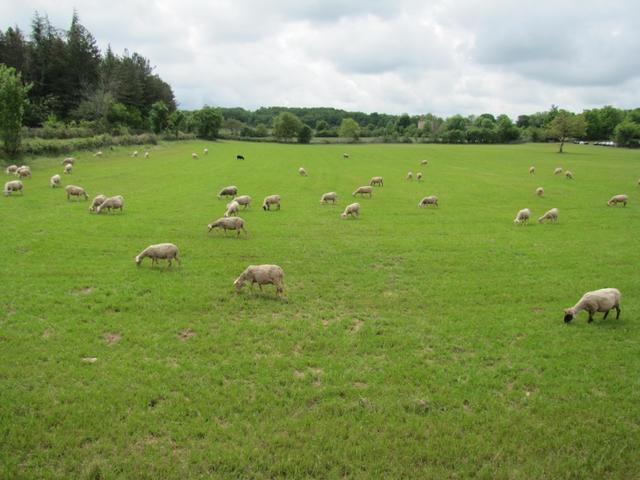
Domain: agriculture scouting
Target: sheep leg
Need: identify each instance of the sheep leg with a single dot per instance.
(606, 314)
(590, 317)
(617, 307)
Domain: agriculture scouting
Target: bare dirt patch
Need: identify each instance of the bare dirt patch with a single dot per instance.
(112, 338)
(357, 325)
(186, 334)
(48, 333)
(82, 291)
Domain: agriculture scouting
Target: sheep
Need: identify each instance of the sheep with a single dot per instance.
(569, 175)
(13, 186)
(134, 154)
(557, 171)
(424, 162)
(146, 155)
(205, 151)
(302, 172)
(551, 215)
(345, 155)
(68, 161)
(110, 203)
(68, 168)
(363, 190)
(602, 300)
(232, 209)
(352, 209)
(532, 170)
(430, 200)
(539, 191)
(74, 191)
(239, 157)
(410, 176)
(97, 201)
(329, 197)
(244, 200)
(98, 154)
(155, 252)
(11, 170)
(377, 181)
(262, 275)
(54, 181)
(271, 200)
(523, 216)
(230, 191)
(419, 176)
(618, 199)
(194, 155)
(229, 223)
(23, 172)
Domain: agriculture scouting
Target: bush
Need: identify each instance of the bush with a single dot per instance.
(52, 147)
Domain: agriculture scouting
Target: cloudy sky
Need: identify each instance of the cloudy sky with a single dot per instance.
(394, 56)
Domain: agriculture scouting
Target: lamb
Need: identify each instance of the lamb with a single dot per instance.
(110, 203)
(363, 190)
(67, 168)
(98, 154)
(74, 191)
(551, 215)
(229, 223)
(410, 176)
(97, 201)
(243, 200)
(557, 171)
(11, 170)
(618, 199)
(271, 200)
(13, 186)
(230, 191)
(376, 181)
(54, 181)
(419, 176)
(539, 191)
(523, 216)
(569, 175)
(262, 275)
(23, 172)
(194, 155)
(424, 162)
(352, 209)
(68, 161)
(602, 300)
(155, 252)
(232, 209)
(302, 172)
(430, 200)
(532, 170)
(135, 153)
(329, 197)
(205, 151)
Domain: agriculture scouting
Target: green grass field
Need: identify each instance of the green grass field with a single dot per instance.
(411, 343)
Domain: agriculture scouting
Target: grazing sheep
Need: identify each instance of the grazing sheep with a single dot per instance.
(155, 252)
(230, 191)
(376, 181)
(345, 155)
(569, 175)
(68, 161)
(302, 172)
(244, 200)
(135, 153)
(146, 155)
(23, 172)
(232, 209)
(13, 186)
(229, 223)
(11, 170)
(262, 275)
(539, 191)
(532, 170)
(557, 171)
(410, 176)
(419, 176)
(363, 191)
(239, 157)
(74, 191)
(352, 209)
(523, 216)
(618, 199)
(98, 154)
(424, 162)
(97, 201)
(329, 197)
(112, 203)
(68, 168)
(551, 215)
(271, 200)
(430, 200)
(194, 155)
(55, 180)
(205, 151)
(602, 300)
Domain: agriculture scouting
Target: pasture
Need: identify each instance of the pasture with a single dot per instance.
(410, 343)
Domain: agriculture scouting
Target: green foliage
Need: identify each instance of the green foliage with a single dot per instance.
(57, 146)
(627, 134)
(305, 134)
(13, 97)
(208, 121)
(286, 126)
(566, 125)
(159, 117)
(177, 121)
(350, 129)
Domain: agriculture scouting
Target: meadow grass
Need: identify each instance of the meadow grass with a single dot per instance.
(411, 343)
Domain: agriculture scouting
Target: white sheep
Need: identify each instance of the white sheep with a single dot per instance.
(98, 154)
(229, 223)
(244, 200)
(167, 251)
(352, 209)
(430, 200)
(557, 171)
(112, 203)
(329, 197)
(205, 151)
(532, 170)
(262, 275)
(366, 189)
(97, 201)
(345, 155)
(68, 161)
(11, 170)
(75, 191)
(419, 176)
(302, 172)
(232, 209)
(424, 162)
(23, 172)
(13, 186)
(551, 215)
(410, 176)
(540, 191)
(376, 181)
(523, 216)
(146, 155)
(68, 168)
(602, 300)
(271, 200)
(55, 180)
(569, 175)
(194, 155)
(230, 191)
(618, 199)
(135, 153)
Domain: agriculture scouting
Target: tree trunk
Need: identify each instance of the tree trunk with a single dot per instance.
(561, 145)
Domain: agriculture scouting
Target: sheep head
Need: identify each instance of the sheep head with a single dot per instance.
(569, 314)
